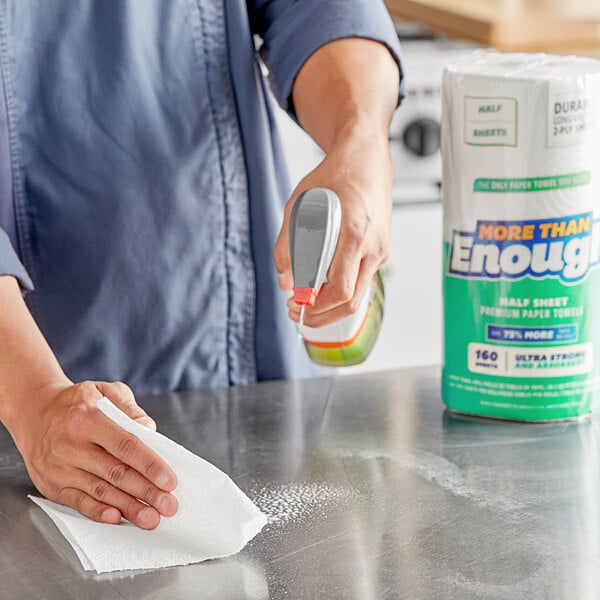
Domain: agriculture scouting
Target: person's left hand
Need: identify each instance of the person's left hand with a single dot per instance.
(359, 170)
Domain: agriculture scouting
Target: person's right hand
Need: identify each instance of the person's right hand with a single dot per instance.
(77, 456)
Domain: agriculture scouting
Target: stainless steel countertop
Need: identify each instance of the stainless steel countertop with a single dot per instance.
(372, 491)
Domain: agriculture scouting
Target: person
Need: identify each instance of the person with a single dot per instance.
(141, 195)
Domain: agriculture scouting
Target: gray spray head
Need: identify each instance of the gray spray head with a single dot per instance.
(314, 228)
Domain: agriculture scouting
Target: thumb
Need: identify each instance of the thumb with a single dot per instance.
(281, 252)
(122, 397)
(281, 257)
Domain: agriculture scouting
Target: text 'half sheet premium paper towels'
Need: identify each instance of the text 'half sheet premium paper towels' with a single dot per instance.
(521, 200)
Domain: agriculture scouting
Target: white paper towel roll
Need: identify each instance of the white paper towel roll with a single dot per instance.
(521, 199)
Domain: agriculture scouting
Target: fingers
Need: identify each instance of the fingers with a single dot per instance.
(121, 489)
(122, 397)
(132, 452)
(129, 476)
(137, 513)
(122, 445)
(335, 304)
(89, 507)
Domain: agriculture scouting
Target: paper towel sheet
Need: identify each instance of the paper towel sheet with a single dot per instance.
(215, 518)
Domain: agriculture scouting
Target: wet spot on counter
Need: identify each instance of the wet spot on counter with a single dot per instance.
(293, 502)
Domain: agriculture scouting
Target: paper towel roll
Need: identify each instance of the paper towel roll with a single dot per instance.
(521, 191)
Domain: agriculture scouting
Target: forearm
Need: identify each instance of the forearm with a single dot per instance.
(73, 453)
(27, 363)
(346, 87)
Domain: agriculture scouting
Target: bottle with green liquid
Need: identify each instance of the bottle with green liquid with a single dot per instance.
(314, 229)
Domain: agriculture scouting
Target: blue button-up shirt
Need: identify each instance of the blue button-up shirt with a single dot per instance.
(142, 182)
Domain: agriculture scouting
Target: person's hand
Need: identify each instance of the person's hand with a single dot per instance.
(359, 170)
(77, 456)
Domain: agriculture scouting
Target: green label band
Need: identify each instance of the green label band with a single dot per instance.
(522, 349)
(532, 184)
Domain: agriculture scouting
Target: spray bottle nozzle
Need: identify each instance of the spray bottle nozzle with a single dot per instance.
(305, 296)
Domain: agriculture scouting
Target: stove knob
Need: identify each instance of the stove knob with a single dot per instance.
(422, 137)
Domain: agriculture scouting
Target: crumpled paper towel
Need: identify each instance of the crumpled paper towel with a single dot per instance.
(215, 518)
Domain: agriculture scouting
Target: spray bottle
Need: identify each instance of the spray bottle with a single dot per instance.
(314, 229)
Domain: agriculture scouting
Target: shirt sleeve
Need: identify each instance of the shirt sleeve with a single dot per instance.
(11, 265)
(291, 31)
